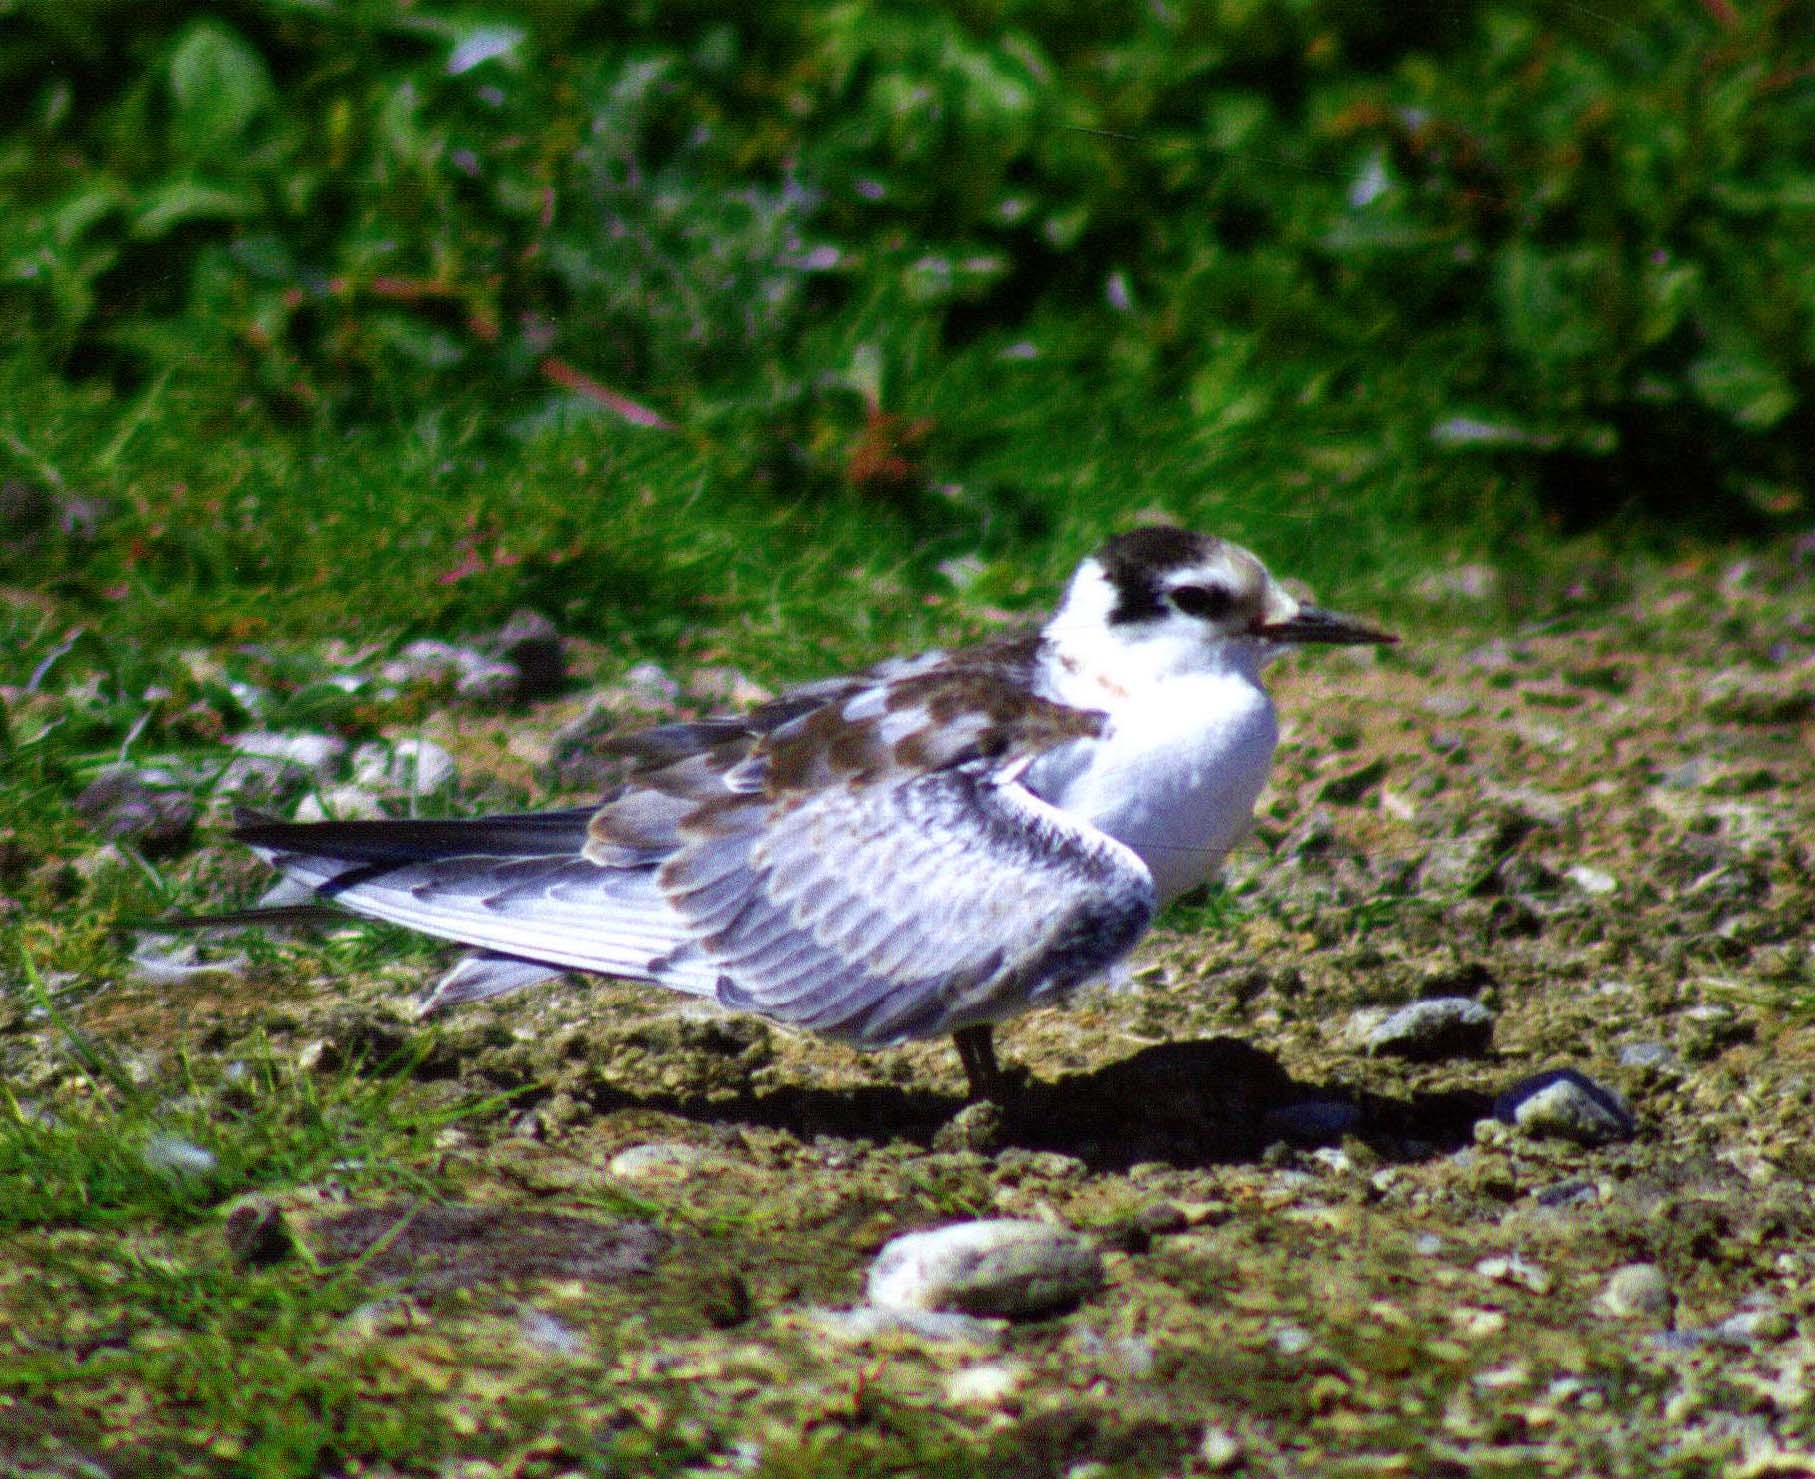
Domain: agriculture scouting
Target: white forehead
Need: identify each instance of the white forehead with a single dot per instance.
(1089, 597)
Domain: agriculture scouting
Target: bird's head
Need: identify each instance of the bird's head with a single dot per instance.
(1176, 601)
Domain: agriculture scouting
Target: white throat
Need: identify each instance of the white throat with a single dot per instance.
(1190, 738)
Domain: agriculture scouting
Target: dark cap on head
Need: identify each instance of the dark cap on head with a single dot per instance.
(1136, 562)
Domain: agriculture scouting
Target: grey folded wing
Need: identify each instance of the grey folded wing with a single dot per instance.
(902, 908)
(516, 886)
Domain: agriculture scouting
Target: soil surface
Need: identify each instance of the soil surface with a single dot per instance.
(1329, 1247)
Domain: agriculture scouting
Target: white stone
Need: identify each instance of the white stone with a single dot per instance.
(179, 1155)
(547, 1333)
(1291, 1340)
(1592, 880)
(341, 804)
(660, 1160)
(418, 766)
(649, 685)
(985, 1386)
(1637, 1291)
(997, 1266)
(1220, 1450)
(180, 967)
(319, 754)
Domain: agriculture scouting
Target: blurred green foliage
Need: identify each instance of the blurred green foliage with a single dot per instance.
(1573, 239)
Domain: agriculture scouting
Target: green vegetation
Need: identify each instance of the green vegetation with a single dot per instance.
(908, 284)
(776, 337)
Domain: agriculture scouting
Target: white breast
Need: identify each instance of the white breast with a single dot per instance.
(1175, 777)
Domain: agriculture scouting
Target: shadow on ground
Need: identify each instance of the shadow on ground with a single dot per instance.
(1193, 1103)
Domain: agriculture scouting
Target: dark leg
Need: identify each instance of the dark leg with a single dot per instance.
(977, 1052)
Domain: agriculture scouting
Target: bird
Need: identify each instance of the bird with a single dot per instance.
(928, 846)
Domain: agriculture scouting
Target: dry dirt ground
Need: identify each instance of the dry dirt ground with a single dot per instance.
(1320, 1257)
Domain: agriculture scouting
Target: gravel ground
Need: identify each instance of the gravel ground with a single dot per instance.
(1555, 1219)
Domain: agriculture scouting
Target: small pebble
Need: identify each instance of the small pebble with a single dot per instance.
(475, 675)
(178, 1154)
(977, 1127)
(341, 804)
(726, 687)
(417, 766)
(489, 682)
(1645, 1055)
(180, 967)
(1291, 1340)
(1637, 1291)
(142, 807)
(1750, 1326)
(1564, 1104)
(319, 755)
(259, 780)
(986, 1386)
(1428, 1031)
(1220, 1450)
(259, 1235)
(660, 1160)
(998, 1266)
(553, 1336)
(649, 685)
(1592, 880)
(1515, 1270)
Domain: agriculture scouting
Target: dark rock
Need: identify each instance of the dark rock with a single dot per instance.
(1158, 1219)
(530, 643)
(1745, 698)
(1348, 788)
(1125, 1236)
(142, 807)
(1566, 1194)
(724, 1299)
(979, 1127)
(259, 1235)
(25, 507)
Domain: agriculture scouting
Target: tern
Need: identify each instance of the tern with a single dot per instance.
(932, 845)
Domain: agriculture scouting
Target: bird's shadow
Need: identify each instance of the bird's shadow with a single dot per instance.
(1191, 1103)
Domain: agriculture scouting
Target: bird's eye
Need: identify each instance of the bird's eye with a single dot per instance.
(1211, 602)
